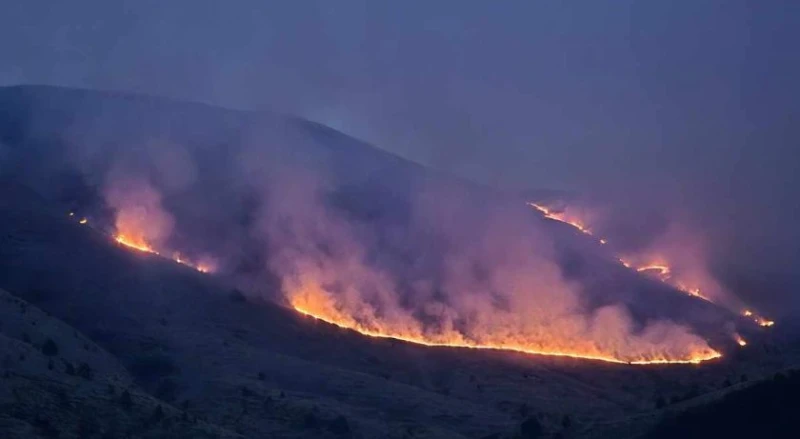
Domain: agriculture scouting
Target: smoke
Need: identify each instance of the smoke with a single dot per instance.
(636, 103)
(667, 250)
(460, 273)
(140, 218)
(351, 234)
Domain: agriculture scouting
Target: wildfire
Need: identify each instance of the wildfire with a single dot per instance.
(764, 322)
(135, 243)
(562, 217)
(740, 340)
(760, 321)
(143, 246)
(694, 292)
(661, 271)
(326, 313)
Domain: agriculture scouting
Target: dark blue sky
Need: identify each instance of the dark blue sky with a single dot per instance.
(689, 104)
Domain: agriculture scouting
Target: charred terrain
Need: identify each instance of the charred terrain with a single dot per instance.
(102, 340)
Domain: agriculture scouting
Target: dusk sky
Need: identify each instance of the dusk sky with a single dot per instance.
(692, 104)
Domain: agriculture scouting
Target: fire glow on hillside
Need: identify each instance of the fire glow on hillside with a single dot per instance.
(606, 334)
(659, 270)
(505, 342)
(143, 246)
(134, 241)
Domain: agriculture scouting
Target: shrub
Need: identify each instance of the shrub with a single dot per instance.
(125, 400)
(531, 428)
(339, 426)
(158, 415)
(237, 296)
(151, 367)
(50, 348)
(85, 371)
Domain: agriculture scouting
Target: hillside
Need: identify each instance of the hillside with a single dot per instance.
(58, 383)
(764, 409)
(222, 353)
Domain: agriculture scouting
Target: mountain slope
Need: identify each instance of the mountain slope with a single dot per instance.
(243, 362)
(58, 383)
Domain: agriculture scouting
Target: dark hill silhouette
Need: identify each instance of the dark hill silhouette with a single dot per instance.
(765, 409)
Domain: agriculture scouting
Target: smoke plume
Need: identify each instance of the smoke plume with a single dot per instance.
(140, 219)
(458, 274)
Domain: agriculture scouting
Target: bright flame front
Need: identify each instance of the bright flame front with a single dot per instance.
(659, 270)
(314, 302)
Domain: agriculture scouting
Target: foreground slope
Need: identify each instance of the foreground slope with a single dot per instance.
(57, 383)
(767, 408)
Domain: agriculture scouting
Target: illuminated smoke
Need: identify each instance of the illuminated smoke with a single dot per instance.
(142, 223)
(140, 220)
(464, 277)
(677, 258)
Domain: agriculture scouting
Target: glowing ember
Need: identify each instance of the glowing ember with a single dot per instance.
(83, 221)
(760, 321)
(764, 322)
(694, 292)
(327, 314)
(739, 340)
(203, 268)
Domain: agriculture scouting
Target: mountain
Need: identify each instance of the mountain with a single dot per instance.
(221, 354)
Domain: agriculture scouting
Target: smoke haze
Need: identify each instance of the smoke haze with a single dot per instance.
(639, 105)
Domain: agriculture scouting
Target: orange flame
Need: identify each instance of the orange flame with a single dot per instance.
(661, 270)
(142, 246)
(760, 321)
(134, 243)
(311, 303)
(562, 217)
(764, 322)
(739, 340)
